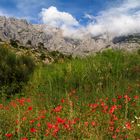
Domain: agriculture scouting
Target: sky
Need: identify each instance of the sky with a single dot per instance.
(116, 17)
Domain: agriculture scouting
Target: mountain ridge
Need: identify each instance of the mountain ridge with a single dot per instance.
(51, 38)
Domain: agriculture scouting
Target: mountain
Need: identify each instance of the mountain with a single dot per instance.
(41, 35)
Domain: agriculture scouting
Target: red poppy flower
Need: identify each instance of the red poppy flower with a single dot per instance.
(8, 135)
(32, 130)
(59, 120)
(58, 109)
(30, 108)
(112, 109)
(93, 123)
(128, 125)
(24, 138)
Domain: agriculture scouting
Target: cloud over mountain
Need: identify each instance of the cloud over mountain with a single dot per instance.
(56, 18)
(63, 20)
(121, 20)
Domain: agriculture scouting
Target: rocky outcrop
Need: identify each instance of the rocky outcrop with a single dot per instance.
(31, 35)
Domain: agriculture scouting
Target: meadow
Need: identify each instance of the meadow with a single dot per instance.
(91, 98)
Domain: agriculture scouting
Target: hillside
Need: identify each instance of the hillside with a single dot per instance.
(40, 35)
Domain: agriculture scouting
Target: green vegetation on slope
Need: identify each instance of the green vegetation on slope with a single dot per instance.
(14, 71)
(102, 75)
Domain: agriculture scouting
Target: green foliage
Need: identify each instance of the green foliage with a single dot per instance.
(14, 71)
(103, 74)
(59, 56)
(14, 43)
(42, 56)
(138, 51)
(40, 45)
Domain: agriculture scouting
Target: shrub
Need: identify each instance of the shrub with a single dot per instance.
(14, 71)
(42, 56)
(14, 43)
(40, 45)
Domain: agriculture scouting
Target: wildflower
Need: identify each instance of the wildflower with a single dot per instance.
(86, 124)
(59, 120)
(127, 98)
(46, 134)
(119, 96)
(67, 126)
(62, 100)
(93, 123)
(38, 125)
(28, 100)
(114, 137)
(30, 108)
(50, 126)
(32, 130)
(106, 99)
(24, 119)
(55, 131)
(136, 97)
(111, 128)
(102, 104)
(93, 105)
(115, 118)
(24, 138)
(112, 109)
(13, 104)
(21, 101)
(117, 130)
(58, 109)
(105, 108)
(128, 125)
(17, 121)
(32, 121)
(42, 117)
(8, 135)
(119, 106)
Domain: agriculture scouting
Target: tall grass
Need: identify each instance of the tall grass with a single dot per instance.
(103, 75)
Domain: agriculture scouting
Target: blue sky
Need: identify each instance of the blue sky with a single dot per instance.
(30, 9)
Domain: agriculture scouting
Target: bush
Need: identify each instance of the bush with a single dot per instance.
(14, 71)
(42, 56)
(14, 43)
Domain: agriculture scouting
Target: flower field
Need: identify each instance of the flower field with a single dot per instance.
(102, 119)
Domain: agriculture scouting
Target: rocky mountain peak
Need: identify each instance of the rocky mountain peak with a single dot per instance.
(34, 35)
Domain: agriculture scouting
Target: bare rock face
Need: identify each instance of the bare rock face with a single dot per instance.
(31, 35)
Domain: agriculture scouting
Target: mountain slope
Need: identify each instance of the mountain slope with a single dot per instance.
(30, 35)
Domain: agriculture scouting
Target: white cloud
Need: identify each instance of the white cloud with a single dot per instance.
(122, 20)
(63, 20)
(53, 17)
